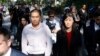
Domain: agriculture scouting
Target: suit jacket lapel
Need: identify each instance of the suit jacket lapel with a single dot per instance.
(13, 53)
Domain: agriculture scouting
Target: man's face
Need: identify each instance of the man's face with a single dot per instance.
(51, 16)
(4, 45)
(35, 18)
(84, 6)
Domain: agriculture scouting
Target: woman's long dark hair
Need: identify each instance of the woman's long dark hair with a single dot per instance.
(63, 27)
(20, 24)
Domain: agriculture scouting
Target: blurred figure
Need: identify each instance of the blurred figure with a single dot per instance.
(6, 20)
(83, 16)
(98, 33)
(17, 39)
(36, 37)
(98, 42)
(14, 19)
(53, 23)
(32, 7)
(66, 10)
(90, 34)
(26, 13)
(68, 38)
(5, 42)
(75, 15)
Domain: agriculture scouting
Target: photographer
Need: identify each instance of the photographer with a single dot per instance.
(53, 23)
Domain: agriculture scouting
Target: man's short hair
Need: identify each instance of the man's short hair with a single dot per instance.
(51, 12)
(97, 13)
(5, 33)
(36, 10)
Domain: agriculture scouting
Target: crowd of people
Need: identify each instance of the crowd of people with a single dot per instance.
(72, 33)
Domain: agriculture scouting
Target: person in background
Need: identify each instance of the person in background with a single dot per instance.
(68, 38)
(5, 43)
(36, 36)
(6, 22)
(83, 16)
(26, 13)
(90, 34)
(98, 43)
(53, 23)
(98, 34)
(75, 15)
(17, 40)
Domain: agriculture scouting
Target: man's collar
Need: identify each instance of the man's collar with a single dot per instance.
(96, 27)
(38, 27)
(8, 53)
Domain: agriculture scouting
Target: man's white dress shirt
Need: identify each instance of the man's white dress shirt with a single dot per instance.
(36, 41)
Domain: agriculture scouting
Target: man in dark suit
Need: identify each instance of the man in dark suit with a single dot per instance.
(5, 43)
(98, 41)
(91, 34)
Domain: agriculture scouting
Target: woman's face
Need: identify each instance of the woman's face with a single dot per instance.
(69, 22)
(74, 10)
(23, 21)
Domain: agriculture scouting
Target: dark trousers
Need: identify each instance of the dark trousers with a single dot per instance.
(54, 50)
(36, 55)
